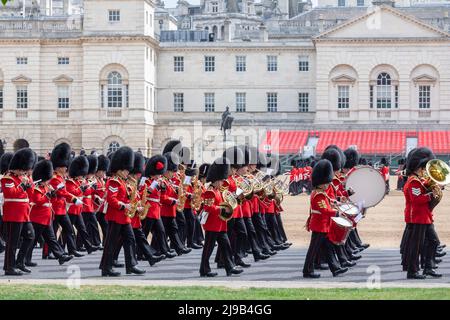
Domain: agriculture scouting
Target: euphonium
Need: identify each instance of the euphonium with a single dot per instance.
(438, 175)
(229, 203)
(134, 201)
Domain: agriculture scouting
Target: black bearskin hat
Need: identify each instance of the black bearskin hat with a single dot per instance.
(334, 157)
(103, 163)
(171, 145)
(172, 161)
(22, 159)
(219, 170)
(235, 157)
(43, 171)
(322, 173)
(60, 156)
(122, 159)
(190, 172)
(139, 163)
(341, 153)
(383, 161)
(418, 158)
(351, 158)
(93, 163)
(79, 167)
(203, 170)
(156, 165)
(5, 159)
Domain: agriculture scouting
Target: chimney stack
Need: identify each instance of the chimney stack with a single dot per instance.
(263, 34)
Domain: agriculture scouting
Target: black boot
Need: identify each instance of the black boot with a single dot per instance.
(416, 276)
(311, 275)
(22, 268)
(209, 274)
(110, 273)
(13, 272)
(234, 271)
(135, 270)
(64, 258)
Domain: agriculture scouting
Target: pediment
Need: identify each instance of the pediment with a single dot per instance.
(383, 22)
(343, 78)
(63, 79)
(21, 80)
(424, 78)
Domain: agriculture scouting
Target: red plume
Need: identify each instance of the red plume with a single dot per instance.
(159, 165)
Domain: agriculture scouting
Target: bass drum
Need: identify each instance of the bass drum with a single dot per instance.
(368, 184)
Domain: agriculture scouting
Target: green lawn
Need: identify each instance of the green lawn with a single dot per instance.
(12, 292)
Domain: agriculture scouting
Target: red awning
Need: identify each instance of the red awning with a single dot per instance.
(438, 141)
(283, 142)
(366, 142)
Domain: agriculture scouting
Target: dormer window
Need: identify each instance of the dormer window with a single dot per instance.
(114, 15)
(214, 7)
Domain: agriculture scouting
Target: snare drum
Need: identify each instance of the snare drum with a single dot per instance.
(350, 211)
(339, 230)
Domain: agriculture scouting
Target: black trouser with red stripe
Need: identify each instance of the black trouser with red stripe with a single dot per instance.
(272, 226)
(78, 223)
(190, 227)
(281, 231)
(181, 227)
(119, 235)
(251, 236)
(223, 246)
(14, 231)
(261, 232)
(171, 227)
(90, 220)
(103, 225)
(159, 237)
(198, 231)
(142, 244)
(320, 244)
(423, 240)
(49, 237)
(68, 234)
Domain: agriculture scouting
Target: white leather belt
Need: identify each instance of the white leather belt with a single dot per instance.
(88, 197)
(153, 200)
(316, 212)
(48, 205)
(17, 200)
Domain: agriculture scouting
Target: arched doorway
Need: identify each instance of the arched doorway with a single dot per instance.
(20, 143)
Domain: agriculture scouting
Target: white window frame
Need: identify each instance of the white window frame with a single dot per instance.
(303, 101)
(113, 147)
(343, 96)
(63, 102)
(178, 63)
(22, 97)
(210, 102)
(114, 15)
(214, 7)
(303, 63)
(272, 101)
(178, 102)
(241, 63)
(63, 60)
(210, 63)
(341, 3)
(384, 94)
(21, 60)
(272, 63)
(241, 101)
(424, 97)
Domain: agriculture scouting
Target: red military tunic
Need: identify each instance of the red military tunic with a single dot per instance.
(214, 223)
(385, 172)
(320, 212)
(169, 198)
(293, 175)
(417, 199)
(117, 195)
(16, 206)
(41, 206)
(58, 183)
(153, 199)
(136, 221)
(73, 187)
(307, 173)
(99, 195)
(88, 195)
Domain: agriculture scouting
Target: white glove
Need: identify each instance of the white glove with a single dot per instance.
(127, 206)
(142, 182)
(60, 186)
(78, 202)
(154, 185)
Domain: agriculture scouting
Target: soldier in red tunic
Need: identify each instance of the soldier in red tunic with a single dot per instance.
(215, 227)
(60, 158)
(319, 221)
(156, 166)
(41, 212)
(189, 212)
(118, 204)
(4, 165)
(76, 186)
(17, 187)
(198, 231)
(100, 194)
(422, 239)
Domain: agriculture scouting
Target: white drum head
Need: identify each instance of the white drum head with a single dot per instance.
(369, 186)
(349, 209)
(342, 222)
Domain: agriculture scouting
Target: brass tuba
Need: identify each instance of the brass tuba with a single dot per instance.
(438, 175)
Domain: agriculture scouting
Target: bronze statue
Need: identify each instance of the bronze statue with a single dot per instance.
(227, 120)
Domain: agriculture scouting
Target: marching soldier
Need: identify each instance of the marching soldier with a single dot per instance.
(189, 214)
(142, 246)
(100, 194)
(76, 186)
(318, 222)
(60, 159)
(41, 213)
(198, 231)
(88, 212)
(4, 165)
(118, 204)
(169, 201)
(156, 166)
(215, 227)
(17, 187)
(422, 238)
